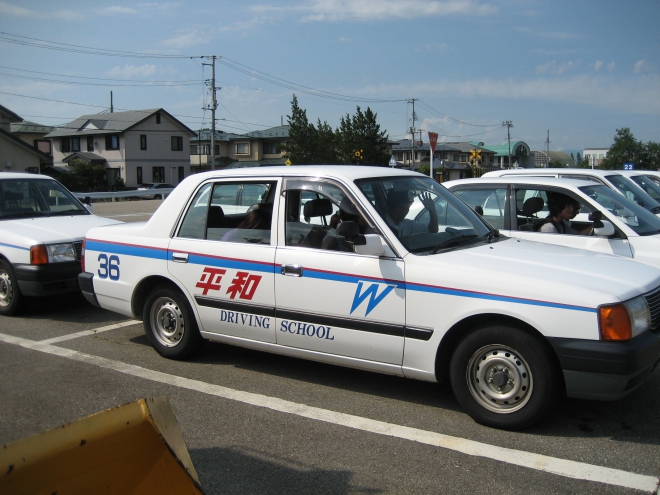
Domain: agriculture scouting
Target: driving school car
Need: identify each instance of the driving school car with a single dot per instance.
(42, 226)
(324, 265)
(518, 206)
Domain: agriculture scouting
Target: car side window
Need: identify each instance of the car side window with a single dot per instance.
(218, 213)
(488, 202)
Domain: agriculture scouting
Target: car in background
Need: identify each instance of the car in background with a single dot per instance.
(42, 226)
(517, 206)
(649, 181)
(156, 186)
(512, 324)
(610, 178)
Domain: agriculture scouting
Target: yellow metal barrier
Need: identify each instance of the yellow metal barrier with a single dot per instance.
(133, 449)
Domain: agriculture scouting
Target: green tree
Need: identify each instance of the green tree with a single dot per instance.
(556, 164)
(84, 176)
(361, 141)
(301, 144)
(325, 146)
(650, 157)
(582, 162)
(625, 149)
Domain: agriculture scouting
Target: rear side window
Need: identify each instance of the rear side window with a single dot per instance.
(488, 202)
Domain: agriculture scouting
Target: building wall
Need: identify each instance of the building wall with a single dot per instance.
(19, 158)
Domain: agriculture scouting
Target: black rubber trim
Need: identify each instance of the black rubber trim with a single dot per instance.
(236, 306)
(419, 333)
(86, 283)
(51, 272)
(612, 358)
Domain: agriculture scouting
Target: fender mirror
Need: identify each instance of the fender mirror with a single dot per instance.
(606, 229)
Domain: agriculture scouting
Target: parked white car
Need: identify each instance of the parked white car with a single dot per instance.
(42, 226)
(628, 229)
(513, 324)
(611, 178)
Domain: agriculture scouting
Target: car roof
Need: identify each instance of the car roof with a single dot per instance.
(527, 171)
(22, 175)
(541, 181)
(346, 172)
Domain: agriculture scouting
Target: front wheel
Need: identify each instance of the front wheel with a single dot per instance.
(504, 377)
(11, 299)
(170, 324)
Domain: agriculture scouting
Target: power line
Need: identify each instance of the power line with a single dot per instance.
(80, 83)
(99, 78)
(451, 119)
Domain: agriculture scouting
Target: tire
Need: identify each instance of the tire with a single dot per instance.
(170, 324)
(504, 377)
(11, 299)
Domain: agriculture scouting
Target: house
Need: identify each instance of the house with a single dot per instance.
(17, 155)
(33, 133)
(253, 149)
(542, 158)
(595, 156)
(138, 146)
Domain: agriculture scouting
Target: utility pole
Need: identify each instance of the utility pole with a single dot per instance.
(508, 126)
(214, 105)
(547, 143)
(112, 108)
(412, 133)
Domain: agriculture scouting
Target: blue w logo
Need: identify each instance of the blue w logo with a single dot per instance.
(370, 292)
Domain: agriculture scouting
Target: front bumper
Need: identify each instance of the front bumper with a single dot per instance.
(86, 281)
(606, 370)
(47, 280)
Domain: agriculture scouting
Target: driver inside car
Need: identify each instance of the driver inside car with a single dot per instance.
(399, 203)
(563, 209)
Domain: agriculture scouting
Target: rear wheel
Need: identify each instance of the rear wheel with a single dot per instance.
(170, 324)
(504, 377)
(11, 299)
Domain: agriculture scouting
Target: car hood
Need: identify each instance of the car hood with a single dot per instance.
(46, 230)
(539, 271)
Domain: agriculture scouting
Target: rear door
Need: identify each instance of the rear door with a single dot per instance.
(227, 263)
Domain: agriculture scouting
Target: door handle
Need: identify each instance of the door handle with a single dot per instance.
(292, 270)
(180, 257)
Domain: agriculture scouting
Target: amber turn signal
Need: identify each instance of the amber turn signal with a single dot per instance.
(614, 322)
(38, 255)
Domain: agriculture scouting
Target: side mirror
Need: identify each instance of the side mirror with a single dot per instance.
(87, 203)
(348, 230)
(596, 216)
(606, 229)
(479, 210)
(373, 245)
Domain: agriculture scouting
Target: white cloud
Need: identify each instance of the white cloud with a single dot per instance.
(130, 71)
(598, 64)
(191, 37)
(555, 68)
(640, 66)
(116, 9)
(13, 10)
(379, 10)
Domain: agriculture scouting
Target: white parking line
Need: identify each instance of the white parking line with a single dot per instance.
(554, 465)
(85, 333)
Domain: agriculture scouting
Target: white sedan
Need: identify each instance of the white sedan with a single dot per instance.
(325, 265)
(42, 226)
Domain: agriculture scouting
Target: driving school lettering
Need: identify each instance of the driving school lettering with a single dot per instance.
(245, 319)
(243, 285)
(306, 329)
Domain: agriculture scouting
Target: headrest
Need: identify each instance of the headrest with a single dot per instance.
(532, 206)
(318, 208)
(267, 207)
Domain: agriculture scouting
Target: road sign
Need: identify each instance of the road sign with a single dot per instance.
(433, 140)
(628, 166)
(392, 161)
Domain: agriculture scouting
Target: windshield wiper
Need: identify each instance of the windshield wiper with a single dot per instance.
(452, 241)
(656, 209)
(20, 214)
(491, 235)
(67, 212)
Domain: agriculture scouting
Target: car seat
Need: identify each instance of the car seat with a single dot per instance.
(530, 208)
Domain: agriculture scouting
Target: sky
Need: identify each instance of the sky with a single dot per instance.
(576, 69)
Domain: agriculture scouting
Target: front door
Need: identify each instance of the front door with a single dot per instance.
(330, 299)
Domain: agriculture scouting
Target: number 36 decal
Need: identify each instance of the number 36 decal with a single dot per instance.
(109, 267)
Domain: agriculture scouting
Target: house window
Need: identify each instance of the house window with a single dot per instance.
(139, 175)
(143, 141)
(463, 158)
(75, 144)
(158, 118)
(112, 142)
(242, 149)
(32, 170)
(65, 145)
(270, 148)
(177, 144)
(42, 145)
(217, 150)
(455, 157)
(90, 143)
(158, 174)
(193, 149)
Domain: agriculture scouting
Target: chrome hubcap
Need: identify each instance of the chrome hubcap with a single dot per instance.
(6, 289)
(499, 379)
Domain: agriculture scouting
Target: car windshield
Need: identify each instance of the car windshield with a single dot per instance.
(425, 216)
(651, 188)
(21, 198)
(637, 218)
(633, 192)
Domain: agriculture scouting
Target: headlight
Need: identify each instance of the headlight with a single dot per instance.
(625, 320)
(52, 253)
